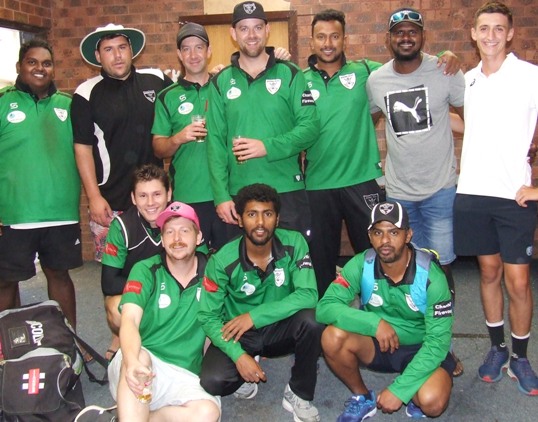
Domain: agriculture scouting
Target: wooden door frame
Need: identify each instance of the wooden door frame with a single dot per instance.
(289, 16)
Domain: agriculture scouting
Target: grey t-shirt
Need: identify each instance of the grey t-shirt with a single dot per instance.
(420, 148)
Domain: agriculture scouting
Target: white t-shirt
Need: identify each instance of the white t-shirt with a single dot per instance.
(500, 119)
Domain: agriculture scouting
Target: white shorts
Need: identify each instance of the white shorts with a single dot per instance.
(172, 385)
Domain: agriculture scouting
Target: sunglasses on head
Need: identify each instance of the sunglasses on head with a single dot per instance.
(405, 14)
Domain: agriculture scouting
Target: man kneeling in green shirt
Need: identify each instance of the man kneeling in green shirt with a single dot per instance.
(155, 372)
(404, 324)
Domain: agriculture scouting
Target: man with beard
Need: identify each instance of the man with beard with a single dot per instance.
(258, 296)
(404, 324)
(420, 168)
(160, 336)
(263, 102)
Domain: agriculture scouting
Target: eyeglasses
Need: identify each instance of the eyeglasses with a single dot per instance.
(405, 15)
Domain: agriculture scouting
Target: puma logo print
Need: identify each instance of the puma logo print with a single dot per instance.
(399, 106)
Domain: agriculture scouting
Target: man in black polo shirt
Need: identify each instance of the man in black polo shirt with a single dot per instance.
(112, 115)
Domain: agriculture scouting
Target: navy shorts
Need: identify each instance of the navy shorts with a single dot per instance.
(400, 358)
(58, 248)
(484, 225)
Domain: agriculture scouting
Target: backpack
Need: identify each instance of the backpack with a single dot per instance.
(40, 365)
(423, 258)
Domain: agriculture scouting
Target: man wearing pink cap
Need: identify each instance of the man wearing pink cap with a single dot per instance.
(161, 341)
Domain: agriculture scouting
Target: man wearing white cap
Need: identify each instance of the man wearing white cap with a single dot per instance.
(404, 324)
(112, 115)
(155, 372)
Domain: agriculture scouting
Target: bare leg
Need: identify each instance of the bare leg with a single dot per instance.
(344, 352)
(433, 396)
(192, 411)
(517, 281)
(9, 295)
(491, 270)
(60, 288)
(113, 318)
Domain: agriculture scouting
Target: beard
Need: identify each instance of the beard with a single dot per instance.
(407, 57)
(259, 241)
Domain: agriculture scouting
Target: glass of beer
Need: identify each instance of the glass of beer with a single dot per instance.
(146, 395)
(235, 139)
(199, 118)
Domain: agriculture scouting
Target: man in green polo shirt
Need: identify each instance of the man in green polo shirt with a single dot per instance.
(258, 296)
(161, 340)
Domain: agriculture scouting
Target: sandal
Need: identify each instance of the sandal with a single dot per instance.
(109, 354)
(458, 370)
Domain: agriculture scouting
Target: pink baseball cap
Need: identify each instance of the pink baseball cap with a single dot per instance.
(178, 209)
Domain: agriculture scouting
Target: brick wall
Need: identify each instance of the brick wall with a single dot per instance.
(448, 23)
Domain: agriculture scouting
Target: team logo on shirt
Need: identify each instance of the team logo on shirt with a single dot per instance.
(164, 301)
(315, 94)
(16, 116)
(410, 303)
(61, 114)
(233, 93)
(150, 95)
(280, 277)
(273, 85)
(185, 108)
(375, 300)
(348, 81)
(248, 288)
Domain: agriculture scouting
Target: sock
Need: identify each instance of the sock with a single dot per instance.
(519, 346)
(496, 333)
(368, 396)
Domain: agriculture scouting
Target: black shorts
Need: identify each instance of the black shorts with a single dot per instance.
(485, 225)
(400, 358)
(58, 248)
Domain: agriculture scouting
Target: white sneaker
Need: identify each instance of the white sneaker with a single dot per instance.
(98, 414)
(303, 410)
(247, 391)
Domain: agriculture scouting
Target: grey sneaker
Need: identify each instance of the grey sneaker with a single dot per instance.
(247, 391)
(303, 411)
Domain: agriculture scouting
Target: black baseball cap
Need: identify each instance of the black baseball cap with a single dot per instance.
(248, 10)
(390, 211)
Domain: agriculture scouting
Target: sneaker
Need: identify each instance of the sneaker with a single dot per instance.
(520, 370)
(413, 411)
(495, 363)
(247, 391)
(303, 410)
(358, 408)
(98, 414)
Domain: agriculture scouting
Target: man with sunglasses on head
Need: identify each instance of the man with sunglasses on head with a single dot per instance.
(415, 98)
(344, 162)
